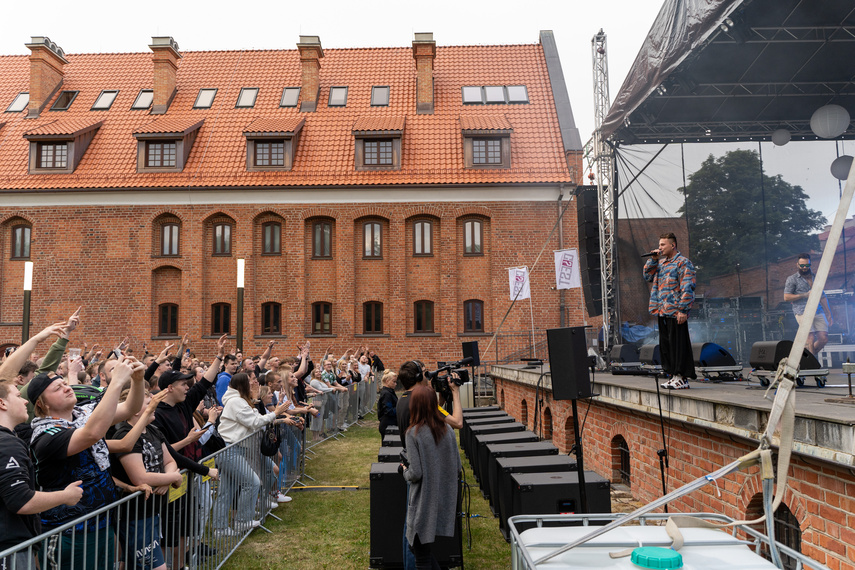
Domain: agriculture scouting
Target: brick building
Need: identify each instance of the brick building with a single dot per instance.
(377, 195)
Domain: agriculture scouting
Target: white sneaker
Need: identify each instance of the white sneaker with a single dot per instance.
(274, 505)
(678, 383)
(283, 498)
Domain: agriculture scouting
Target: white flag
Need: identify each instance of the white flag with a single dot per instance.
(518, 281)
(567, 275)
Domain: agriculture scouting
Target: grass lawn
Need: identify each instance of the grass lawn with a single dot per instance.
(330, 529)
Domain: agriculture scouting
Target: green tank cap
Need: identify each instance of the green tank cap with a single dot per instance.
(656, 557)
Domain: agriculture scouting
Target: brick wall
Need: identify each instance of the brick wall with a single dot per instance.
(820, 495)
(106, 258)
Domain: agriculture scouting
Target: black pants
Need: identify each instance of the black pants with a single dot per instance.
(425, 560)
(675, 348)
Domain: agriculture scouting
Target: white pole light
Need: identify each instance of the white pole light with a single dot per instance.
(241, 263)
(28, 276)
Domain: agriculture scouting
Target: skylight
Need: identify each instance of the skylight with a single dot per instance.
(290, 96)
(338, 97)
(19, 103)
(205, 99)
(494, 94)
(379, 96)
(64, 101)
(104, 101)
(144, 99)
(517, 94)
(472, 95)
(247, 97)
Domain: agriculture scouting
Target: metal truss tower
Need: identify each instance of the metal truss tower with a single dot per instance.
(603, 160)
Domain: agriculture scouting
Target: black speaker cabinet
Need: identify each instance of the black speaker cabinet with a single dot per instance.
(480, 409)
(392, 440)
(767, 354)
(506, 466)
(388, 514)
(624, 354)
(393, 430)
(468, 424)
(649, 354)
(497, 450)
(709, 354)
(471, 349)
(568, 363)
(389, 455)
(557, 493)
(488, 429)
(481, 441)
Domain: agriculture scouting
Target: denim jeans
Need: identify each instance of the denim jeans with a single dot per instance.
(239, 488)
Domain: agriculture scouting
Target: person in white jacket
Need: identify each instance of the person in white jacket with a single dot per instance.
(241, 487)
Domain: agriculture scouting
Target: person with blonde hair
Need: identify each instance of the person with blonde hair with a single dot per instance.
(388, 401)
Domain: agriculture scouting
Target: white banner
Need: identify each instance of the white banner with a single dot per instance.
(567, 275)
(518, 282)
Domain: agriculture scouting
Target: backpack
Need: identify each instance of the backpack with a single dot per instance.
(270, 440)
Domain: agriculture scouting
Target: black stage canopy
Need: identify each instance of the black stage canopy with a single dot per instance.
(736, 70)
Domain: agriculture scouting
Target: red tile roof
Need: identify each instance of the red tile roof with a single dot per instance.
(275, 125)
(431, 150)
(169, 125)
(388, 123)
(68, 127)
(485, 123)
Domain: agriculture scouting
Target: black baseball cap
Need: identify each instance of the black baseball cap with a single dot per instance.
(38, 385)
(170, 377)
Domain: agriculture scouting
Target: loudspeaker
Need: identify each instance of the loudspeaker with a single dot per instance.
(588, 218)
(471, 349)
(766, 355)
(393, 430)
(481, 409)
(388, 502)
(568, 363)
(389, 454)
(649, 354)
(506, 466)
(489, 484)
(468, 424)
(482, 440)
(391, 440)
(709, 354)
(557, 494)
(622, 353)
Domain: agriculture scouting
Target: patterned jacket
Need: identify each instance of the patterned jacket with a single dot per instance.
(673, 288)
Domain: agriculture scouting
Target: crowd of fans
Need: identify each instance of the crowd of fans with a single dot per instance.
(80, 428)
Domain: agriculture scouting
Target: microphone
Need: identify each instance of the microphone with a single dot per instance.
(649, 254)
(465, 361)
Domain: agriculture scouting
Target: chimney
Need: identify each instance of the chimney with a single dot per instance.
(311, 53)
(424, 52)
(46, 70)
(165, 57)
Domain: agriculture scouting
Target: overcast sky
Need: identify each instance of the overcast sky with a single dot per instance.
(87, 26)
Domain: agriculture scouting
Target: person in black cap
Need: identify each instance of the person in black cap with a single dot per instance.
(68, 444)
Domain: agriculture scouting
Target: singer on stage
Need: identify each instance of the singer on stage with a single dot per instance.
(671, 298)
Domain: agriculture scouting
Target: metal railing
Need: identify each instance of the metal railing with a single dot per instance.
(199, 524)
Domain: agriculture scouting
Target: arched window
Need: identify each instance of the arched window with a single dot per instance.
(221, 318)
(222, 239)
(21, 241)
(473, 316)
(321, 318)
(373, 317)
(422, 237)
(168, 322)
(271, 318)
(620, 461)
(322, 239)
(423, 317)
(169, 239)
(472, 237)
(372, 247)
(271, 234)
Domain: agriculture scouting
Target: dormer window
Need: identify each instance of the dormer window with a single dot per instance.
(59, 146)
(64, 101)
(246, 99)
(143, 100)
(164, 144)
(205, 98)
(272, 143)
(486, 141)
(378, 143)
(104, 101)
(19, 103)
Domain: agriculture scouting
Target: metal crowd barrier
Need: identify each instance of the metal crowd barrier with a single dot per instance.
(200, 524)
(338, 411)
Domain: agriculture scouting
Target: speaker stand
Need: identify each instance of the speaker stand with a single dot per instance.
(662, 453)
(580, 467)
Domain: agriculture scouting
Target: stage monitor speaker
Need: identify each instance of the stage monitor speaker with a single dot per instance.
(391, 440)
(481, 441)
(389, 454)
(709, 354)
(471, 349)
(568, 363)
(767, 354)
(497, 450)
(507, 466)
(388, 513)
(468, 424)
(649, 354)
(557, 494)
(480, 409)
(621, 353)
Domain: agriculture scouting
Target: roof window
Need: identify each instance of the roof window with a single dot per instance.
(472, 95)
(338, 97)
(495, 94)
(205, 99)
(64, 101)
(104, 101)
(290, 96)
(379, 96)
(143, 100)
(19, 103)
(247, 96)
(517, 94)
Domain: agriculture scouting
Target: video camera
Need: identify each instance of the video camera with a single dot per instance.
(439, 378)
